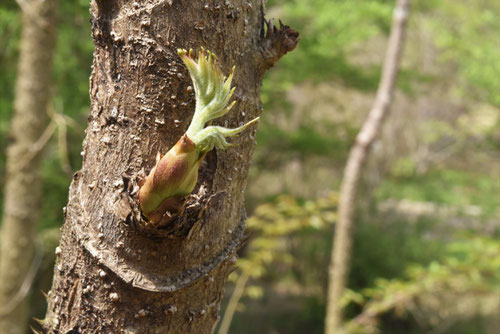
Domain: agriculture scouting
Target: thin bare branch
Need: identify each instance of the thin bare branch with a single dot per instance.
(233, 303)
(341, 252)
(25, 288)
(37, 146)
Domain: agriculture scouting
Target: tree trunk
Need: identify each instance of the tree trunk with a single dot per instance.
(23, 181)
(342, 243)
(113, 274)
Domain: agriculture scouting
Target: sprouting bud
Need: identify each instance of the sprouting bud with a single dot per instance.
(176, 173)
(212, 92)
(174, 176)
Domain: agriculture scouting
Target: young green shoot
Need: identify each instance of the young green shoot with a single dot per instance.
(176, 173)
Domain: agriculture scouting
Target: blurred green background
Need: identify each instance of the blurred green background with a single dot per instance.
(426, 250)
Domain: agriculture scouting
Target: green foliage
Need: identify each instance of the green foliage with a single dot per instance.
(332, 35)
(466, 283)
(445, 186)
(289, 248)
(287, 244)
(305, 142)
(329, 30)
(383, 246)
(467, 33)
(272, 226)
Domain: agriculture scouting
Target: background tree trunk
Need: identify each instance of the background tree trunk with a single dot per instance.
(342, 243)
(112, 275)
(23, 182)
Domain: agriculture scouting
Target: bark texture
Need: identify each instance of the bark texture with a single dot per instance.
(114, 274)
(342, 243)
(23, 181)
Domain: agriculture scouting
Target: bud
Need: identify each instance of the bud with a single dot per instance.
(176, 173)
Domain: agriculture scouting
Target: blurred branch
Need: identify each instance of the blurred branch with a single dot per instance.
(23, 5)
(37, 146)
(58, 122)
(25, 288)
(341, 251)
(233, 303)
(63, 121)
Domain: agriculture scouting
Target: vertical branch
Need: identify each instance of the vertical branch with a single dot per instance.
(23, 181)
(342, 244)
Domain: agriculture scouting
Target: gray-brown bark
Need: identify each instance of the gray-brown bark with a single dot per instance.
(113, 274)
(342, 243)
(23, 180)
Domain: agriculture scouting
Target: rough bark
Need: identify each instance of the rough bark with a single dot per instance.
(113, 274)
(342, 243)
(23, 180)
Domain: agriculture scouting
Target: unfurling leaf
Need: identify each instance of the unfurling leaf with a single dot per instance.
(176, 173)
